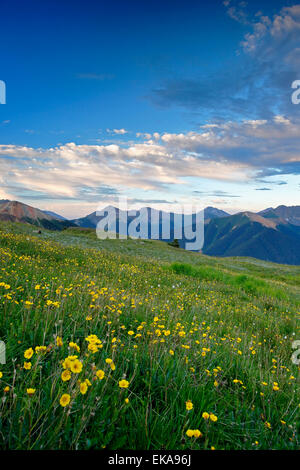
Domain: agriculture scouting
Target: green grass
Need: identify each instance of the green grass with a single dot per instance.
(224, 319)
(249, 284)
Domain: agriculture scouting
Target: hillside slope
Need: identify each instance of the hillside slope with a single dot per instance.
(248, 234)
(125, 344)
(15, 211)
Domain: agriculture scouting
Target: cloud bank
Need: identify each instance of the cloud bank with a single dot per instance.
(233, 151)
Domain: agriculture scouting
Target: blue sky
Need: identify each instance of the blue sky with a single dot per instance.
(160, 101)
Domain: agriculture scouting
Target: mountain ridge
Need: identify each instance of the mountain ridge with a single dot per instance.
(15, 211)
(271, 235)
(249, 234)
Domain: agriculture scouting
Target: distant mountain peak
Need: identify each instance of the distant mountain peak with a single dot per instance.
(285, 214)
(16, 211)
(56, 216)
(212, 213)
(259, 219)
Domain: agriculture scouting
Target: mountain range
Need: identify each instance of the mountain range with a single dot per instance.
(272, 234)
(91, 220)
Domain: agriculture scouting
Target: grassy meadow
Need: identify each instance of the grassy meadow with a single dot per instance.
(131, 344)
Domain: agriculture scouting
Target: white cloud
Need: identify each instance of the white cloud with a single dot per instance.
(284, 24)
(255, 122)
(69, 170)
(281, 119)
(261, 145)
(117, 131)
(143, 135)
(230, 151)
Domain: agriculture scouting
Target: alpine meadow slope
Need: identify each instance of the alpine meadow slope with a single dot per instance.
(134, 344)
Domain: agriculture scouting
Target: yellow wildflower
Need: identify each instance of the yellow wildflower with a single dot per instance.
(74, 346)
(66, 375)
(123, 383)
(189, 405)
(28, 353)
(76, 366)
(100, 374)
(83, 388)
(65, 399)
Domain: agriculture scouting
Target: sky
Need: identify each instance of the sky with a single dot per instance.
(164, 102)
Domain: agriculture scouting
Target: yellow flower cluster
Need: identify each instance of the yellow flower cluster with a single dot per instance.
(94, 343)
(194, 433)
